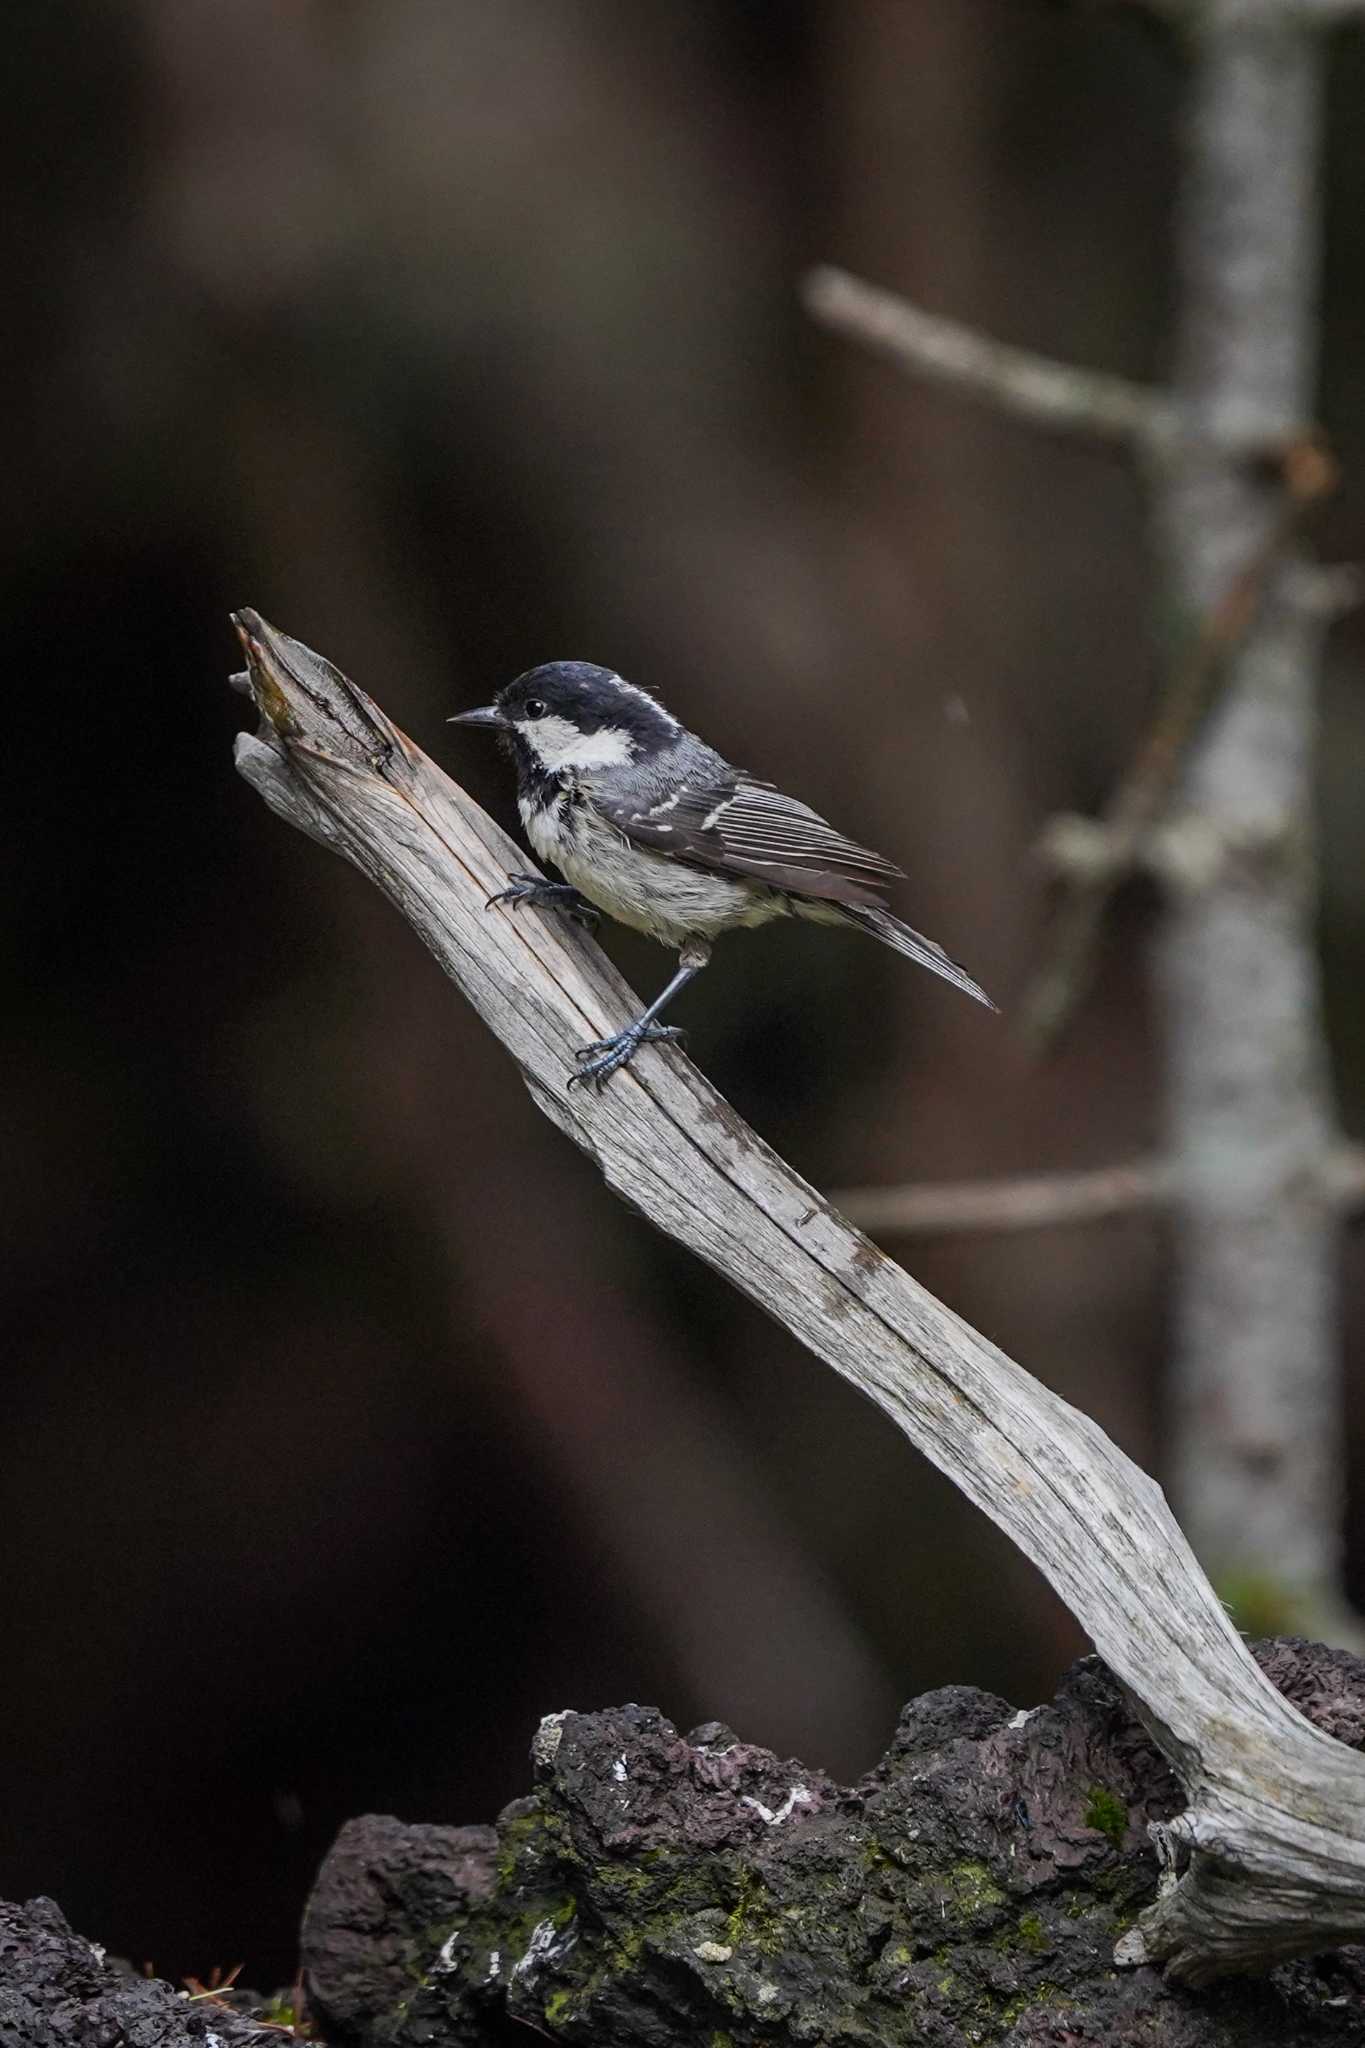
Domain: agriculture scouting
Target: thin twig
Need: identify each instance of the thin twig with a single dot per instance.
(1197, 14)
(1014, 380)
(1028, 1201)
(1145, 790)
(1051, 1201)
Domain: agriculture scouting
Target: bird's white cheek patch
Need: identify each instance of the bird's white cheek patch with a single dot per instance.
(557, 743)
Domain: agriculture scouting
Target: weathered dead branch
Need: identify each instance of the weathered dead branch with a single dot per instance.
(1273, 1837)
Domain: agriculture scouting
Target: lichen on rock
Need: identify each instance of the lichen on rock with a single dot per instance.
(657, 1889)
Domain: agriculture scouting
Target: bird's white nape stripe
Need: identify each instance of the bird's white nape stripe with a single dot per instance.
(559, 743)
(635, 691)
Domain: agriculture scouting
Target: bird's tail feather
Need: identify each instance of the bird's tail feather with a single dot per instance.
(882, 925)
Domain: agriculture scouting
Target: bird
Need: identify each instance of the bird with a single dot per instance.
(650, 825)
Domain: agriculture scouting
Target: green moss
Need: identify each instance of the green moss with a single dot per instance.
(425, 1946)
(752, 1919)
(1032, 1934)
(1107, 1814)
(515, 1838)
(1014, 2009)
(974, 1890)
(623, 1883)
(625, 1953)
(512, 1932)
(941, 1933)
(1024, 1936)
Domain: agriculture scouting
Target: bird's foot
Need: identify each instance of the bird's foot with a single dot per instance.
(599, 1061)
(561, 896)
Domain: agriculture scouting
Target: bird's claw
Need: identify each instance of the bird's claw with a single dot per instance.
(549, 895)
(519, 888)
(605, 1056)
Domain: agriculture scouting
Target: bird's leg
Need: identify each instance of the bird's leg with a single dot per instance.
(546, 896)
(598, 1062)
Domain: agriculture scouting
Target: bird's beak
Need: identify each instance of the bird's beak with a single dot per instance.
(487, 715)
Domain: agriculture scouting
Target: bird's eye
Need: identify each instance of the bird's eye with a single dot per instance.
(534, 707)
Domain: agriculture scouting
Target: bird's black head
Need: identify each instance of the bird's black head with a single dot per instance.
(575, 715)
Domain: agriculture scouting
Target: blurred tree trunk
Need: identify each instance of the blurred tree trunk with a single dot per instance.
(1257, 1471)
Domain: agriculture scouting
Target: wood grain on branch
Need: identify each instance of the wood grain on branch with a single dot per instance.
(1273, 1838)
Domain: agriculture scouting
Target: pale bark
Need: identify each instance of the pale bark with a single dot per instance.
(1257, 1473)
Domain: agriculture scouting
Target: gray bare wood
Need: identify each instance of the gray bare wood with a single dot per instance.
(1270, 1852)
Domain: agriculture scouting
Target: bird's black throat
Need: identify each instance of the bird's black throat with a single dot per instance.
(538, 787)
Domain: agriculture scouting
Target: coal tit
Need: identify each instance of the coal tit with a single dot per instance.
(652, 826)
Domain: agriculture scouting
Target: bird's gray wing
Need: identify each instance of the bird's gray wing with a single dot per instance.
(738, 826)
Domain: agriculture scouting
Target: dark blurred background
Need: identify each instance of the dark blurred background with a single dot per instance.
(351, 1425)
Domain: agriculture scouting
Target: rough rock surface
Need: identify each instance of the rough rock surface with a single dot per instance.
(662, 1891)
(57, 1991)
(391, 1891)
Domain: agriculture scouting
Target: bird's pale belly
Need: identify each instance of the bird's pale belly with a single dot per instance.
(663, 898)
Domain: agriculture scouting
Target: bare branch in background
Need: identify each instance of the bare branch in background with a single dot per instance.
(1257, 13)
(1273, 1839)
(1051, 1201)
(1028, 1201)
(1118, 840)
(1014, 380)
(1056, 395)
